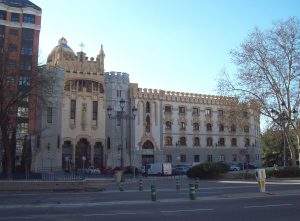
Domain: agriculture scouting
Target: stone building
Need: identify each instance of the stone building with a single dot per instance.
(99, 126)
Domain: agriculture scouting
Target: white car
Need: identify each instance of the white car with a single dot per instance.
(92, 170)
(234, 168)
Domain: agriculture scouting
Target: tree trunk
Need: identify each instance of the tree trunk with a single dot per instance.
(7, 156)
(298, 148)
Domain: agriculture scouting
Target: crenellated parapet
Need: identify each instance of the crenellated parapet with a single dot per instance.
(116, 77)
(173, 96)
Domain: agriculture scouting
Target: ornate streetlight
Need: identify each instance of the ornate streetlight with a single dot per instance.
(120, 116)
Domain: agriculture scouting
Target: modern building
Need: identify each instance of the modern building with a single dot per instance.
(20, 23)
(105, 121)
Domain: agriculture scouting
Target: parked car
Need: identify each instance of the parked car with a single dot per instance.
(181, 169)
(235, 167)
(93, 170)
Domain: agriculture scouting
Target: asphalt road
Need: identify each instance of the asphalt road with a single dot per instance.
(216, 200)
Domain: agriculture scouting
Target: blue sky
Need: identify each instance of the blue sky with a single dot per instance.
(179, 45)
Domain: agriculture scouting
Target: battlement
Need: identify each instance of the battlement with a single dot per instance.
(158, 94)
(113, 77)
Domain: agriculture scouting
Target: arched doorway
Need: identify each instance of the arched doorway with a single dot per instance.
(83, 154)
(98, 155)
(148, 153)
(67, 150)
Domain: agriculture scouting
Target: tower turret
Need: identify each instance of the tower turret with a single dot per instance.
(100, 59)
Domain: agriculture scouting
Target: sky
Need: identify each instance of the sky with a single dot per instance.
(178, 45)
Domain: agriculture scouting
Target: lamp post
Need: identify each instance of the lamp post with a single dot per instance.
(283, 119)
(120, 116)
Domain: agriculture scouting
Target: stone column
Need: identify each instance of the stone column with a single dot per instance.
(92, 152)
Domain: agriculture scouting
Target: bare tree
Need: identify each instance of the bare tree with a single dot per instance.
(267, 64)
(15, 92)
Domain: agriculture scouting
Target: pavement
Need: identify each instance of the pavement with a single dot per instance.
(216, 200)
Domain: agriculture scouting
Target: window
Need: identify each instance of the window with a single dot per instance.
(233, 142)
(73, 110)
(26, 51)
(209, 142)
(168, 109)
(119, 93)
(58, 141)
(221, 141)
(15, 17)
(182, 158)
(221, 127)
(234, 157)
(257, 157)
(29, 18)
(26, 66)
(67, 86)
(181, 110)
(196, 141)
(247, 142)
(49, 115)
(220, 113)
(168, 141)
(196, 126)
(182, 126)
(208, 127)
(168, 125)
(208, 112)
(196, 158)
(12, 48)
(209, 158)
(182, 141)
(247, 158)
(233, 128)
(148, 107)
(246, 129)
(27, 36)
(95, 86)
(148, 124)
(13, 32)
(222, 158)
(195, 111)
(169, 158)
(108, 143)
(245, 114)
(95, 110)
(2, 15)
(11, 64)
(101, 89)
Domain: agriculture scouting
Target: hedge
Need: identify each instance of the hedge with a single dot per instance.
(284, 172)
(208, 170)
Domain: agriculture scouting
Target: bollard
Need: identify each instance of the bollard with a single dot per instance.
(196, 185)
(153, 193)
(141, 185)
(192, 192)
(177, 184)
(121, 186)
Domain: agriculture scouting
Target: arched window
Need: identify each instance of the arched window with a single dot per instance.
(221, 141)
(168, 141)
(148, 124)
(182, 141)
(196, 126)
(209, 142)
(148, 107)
(101, 89)
(196, 141)
(209, 127)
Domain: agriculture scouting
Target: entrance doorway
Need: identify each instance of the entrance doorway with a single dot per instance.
(149, 157)
(83, 154)
(98, 155)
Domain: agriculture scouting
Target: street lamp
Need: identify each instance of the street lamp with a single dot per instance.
(120, 116)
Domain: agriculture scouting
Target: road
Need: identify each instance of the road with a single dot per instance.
(216, 200)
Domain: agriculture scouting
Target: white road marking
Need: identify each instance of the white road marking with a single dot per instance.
(185, 210)
(110, 214)
(270, 205)
(254, 182)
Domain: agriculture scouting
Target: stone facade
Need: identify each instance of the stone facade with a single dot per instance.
(175, 127)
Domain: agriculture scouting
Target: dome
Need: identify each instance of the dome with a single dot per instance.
(61, 52)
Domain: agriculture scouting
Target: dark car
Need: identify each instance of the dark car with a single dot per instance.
(180, 169)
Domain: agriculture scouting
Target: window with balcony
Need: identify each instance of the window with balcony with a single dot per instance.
(196, 158)
(182, 126)
(196, 127)
(15, 17)
(181, 110)
(196, 141)
(168, 109)
(195, 111)
(208, 112)
(233, 142)
(209, 158)
(168, 125)
(209, 127)
(168, 141)
(221, 128)
(27, 18)
(221, 142)
(182, 141)
(209, 142)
